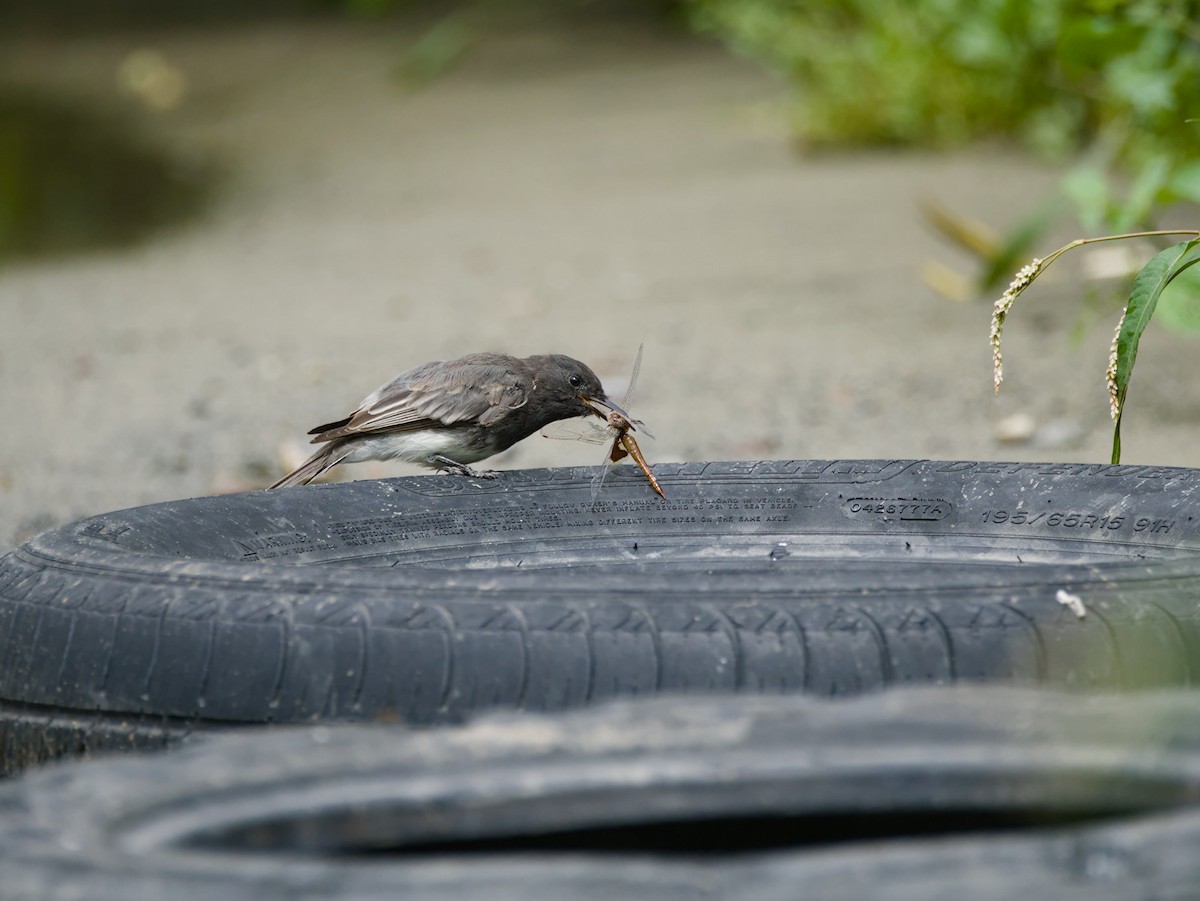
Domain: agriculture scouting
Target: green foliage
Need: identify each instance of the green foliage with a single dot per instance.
(939, 72)
(1168, 267)
(437, 51)
(1148, 287)
(72, 179)
(1179, 307)
(1117, 78)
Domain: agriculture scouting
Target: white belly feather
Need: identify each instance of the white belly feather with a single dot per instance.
(414, 447)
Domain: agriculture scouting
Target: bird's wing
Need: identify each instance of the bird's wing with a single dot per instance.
(475, 389)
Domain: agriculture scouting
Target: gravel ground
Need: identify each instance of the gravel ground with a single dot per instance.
(577, 189)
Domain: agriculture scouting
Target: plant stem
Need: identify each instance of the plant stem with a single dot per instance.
(1080, 242)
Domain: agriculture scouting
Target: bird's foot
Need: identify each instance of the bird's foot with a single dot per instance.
(462, 469)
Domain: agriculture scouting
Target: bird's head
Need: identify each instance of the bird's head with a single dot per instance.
(568, 388)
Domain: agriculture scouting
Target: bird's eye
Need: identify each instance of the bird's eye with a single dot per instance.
(575, 381)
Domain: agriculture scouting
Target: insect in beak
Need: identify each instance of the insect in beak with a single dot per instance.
(617, 431)
(602, 408)
(614, 415)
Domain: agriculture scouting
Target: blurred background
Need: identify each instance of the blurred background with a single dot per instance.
(224, 222)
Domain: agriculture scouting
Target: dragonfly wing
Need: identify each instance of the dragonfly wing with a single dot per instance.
(627, 400)
(583, 428)
(598, 479)
(598, 482)
(633, 377)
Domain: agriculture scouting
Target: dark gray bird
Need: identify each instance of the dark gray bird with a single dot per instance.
(448, 414)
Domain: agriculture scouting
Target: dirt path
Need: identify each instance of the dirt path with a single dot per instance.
(573, 190)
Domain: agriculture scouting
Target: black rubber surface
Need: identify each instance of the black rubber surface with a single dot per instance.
(918, 795)
(427, 599)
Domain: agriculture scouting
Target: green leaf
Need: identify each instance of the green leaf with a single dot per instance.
(1147, 288)
(1185, 182)
(1179, 306)
(1145, 87)
(1087, 187)
(1143, 194)
(1088, 43)
(437, 51)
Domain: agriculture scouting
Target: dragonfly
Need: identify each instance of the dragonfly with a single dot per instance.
(617, 432)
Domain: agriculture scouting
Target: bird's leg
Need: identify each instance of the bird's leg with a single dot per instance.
(463, 469)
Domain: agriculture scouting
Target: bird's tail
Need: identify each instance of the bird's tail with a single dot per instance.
(321, 462)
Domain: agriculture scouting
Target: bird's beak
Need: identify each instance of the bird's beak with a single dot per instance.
(601, 407)
(604, 408)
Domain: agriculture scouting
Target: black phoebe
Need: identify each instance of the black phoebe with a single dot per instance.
(447, 414)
